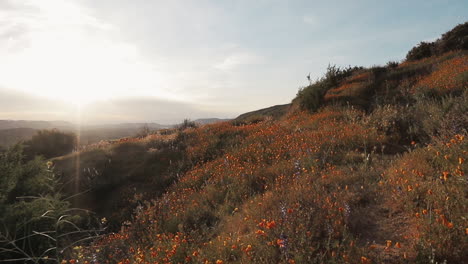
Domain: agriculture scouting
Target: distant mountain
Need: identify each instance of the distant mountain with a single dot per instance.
(273, 111)
(9, 124)
(13, 131)
(205, 121)
(11, 136)
(127, 126)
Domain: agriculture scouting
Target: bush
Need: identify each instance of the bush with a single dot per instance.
(50, 143)
(187, 124)
(421, 51)
(35, 219)
(311, 97)
(455, 39)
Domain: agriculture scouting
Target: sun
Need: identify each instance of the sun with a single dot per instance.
(71, 56)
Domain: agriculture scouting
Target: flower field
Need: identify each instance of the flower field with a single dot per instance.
(383, 182)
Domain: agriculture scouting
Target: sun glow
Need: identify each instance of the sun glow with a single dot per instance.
(69, 55)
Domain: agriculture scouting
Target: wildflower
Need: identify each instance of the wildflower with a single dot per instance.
(281, 243)
(461, 160)
(389, 243)
(445, 175)
(219, 261)
(271, 224)
(365, 260)
(260, 232)
(397, 245)
(424, 212)
(262, 223)
(248, 248)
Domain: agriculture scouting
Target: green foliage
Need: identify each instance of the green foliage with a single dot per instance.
(187, 124)
(311, 97)
(455, 39)
(421, 51)
(35, 219)
(50, 143)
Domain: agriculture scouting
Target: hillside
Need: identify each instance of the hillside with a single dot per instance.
(367, 165)
(205, 121)
(273, 111)
(9, 124)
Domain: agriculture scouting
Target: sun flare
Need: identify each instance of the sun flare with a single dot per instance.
(71, 56)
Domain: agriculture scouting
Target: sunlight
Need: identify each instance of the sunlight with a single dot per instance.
(71, 56)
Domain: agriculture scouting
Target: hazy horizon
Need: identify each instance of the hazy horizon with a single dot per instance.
(162, 61)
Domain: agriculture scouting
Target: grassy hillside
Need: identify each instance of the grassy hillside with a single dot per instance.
(366, 166)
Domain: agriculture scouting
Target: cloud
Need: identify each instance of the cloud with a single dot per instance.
(16, 105)
(20, 106)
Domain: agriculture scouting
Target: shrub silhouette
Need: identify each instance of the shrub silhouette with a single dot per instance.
(50, 143)
(421, 51)
(455, 39)
(311, 97)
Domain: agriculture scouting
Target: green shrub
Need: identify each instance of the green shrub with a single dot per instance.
(311, 97)
(187, 124)
(35, 219)
(455, 39)
(50, 143)
(421, 51)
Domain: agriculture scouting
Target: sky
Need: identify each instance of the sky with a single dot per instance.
(115, 61)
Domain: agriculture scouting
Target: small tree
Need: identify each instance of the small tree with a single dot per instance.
(311, 97)
(187, 124)
(144, 131)
(421, 51)
(50, 143)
